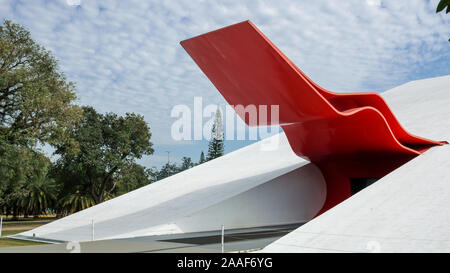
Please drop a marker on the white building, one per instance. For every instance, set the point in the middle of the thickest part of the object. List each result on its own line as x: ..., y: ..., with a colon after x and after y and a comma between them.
x: 407, y: 210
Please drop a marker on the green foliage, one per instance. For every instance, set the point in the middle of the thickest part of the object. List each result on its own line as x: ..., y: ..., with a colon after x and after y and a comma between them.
x: 170, y: 169
x: 167, y: 170
x: 40, y: 190
x: 108, y: 144
x: 35, y: 99
x: 76, y: 201
x: 13, y: 170
x: 97, y: 151
x: 186, y: 163
x: 442, y: 5
x: 36, y: 105
x: 216, y: 144
x: 132, y: 177
x: 25, y: 184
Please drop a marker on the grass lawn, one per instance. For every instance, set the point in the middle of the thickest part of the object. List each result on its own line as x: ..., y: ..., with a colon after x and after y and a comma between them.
x: 15, y: 227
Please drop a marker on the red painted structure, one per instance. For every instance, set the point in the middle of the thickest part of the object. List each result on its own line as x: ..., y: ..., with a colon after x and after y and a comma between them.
x: 347, y: 135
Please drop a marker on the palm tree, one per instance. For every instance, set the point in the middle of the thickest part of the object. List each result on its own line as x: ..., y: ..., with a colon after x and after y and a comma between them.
x: 77, y: 201
x: 41, y: 195
x: 39, y: 190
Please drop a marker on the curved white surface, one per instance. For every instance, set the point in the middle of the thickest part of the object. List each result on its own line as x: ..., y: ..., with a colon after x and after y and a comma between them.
x: 423, y: 107
x: 295, y: 197
x: 164, y: 207
x: 407, y: 210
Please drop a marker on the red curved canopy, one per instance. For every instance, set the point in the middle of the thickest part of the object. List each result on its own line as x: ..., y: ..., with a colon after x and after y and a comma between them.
x: 346, y: 134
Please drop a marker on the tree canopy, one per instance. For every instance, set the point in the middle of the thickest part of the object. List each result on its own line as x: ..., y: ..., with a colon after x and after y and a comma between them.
x: 36, y: 106
x: 108, y: 145
x: 35, y: 98
x: 25, y: 185
x: 96, y: 152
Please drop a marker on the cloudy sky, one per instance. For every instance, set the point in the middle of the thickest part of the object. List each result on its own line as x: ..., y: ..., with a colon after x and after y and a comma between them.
x: 125, y: 55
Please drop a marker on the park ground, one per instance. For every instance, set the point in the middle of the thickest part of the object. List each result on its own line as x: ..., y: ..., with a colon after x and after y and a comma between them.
x: 21, y: 225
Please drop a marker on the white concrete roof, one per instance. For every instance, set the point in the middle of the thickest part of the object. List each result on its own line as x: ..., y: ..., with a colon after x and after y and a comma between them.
x: 423, y: 107
x: 407, y: 210
x: 155, y: 209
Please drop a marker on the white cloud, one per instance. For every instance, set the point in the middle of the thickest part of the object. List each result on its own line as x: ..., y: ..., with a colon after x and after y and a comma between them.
x: 375, y: 3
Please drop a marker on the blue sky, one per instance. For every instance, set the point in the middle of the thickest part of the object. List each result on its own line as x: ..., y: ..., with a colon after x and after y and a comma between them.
x: 125, y: 55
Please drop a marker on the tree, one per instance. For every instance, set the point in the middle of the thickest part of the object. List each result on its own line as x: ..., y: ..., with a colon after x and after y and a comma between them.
x: 75, y: 202
x: 35, y: 98
x: 74, y: 193
x: 107, y: 145
x: 24, y: 176
x: 202, y: 158
x: 40, y: 190
x: 36, y: 105
x: 167, y: 170
x: 131, y: 177
x: 442, y: 5
x: 15, y: 167
x: 186, y: 163
x: 216, y: 144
